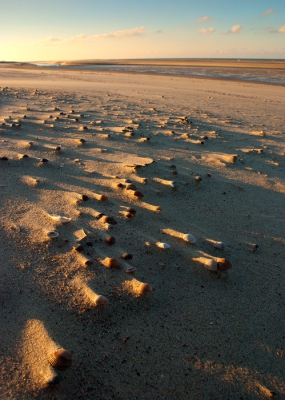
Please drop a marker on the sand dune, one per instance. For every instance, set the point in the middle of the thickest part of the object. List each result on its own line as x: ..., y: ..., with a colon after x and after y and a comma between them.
x: 121, y: 168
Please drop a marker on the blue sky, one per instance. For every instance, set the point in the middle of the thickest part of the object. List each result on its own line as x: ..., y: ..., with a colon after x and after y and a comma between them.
x: 92, y: 29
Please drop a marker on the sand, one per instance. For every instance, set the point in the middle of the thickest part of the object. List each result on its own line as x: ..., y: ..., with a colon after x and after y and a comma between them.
x: 208, y: 157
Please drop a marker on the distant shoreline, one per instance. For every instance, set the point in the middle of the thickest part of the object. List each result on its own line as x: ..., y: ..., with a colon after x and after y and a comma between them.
x: 255, y: 71
x: 249, y: 71
x: 195, y: 62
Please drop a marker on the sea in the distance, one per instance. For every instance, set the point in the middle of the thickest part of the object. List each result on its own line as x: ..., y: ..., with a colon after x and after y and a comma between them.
x: 252, y: 70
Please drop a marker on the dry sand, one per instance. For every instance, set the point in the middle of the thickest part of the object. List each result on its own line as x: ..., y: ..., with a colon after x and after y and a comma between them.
x: 199, y: 334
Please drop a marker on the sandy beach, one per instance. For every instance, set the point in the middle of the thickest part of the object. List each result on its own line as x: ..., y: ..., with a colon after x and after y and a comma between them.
x: 142, y: 229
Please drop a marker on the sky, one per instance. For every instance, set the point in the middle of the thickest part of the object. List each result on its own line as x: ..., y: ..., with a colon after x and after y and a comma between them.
x: 57, y: 30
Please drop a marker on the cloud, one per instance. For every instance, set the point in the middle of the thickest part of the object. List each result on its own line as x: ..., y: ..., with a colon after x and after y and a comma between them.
x: 236, y: 29
x: 206, y: 31
x: 204, y: 19
x: 281, y: 29
x: 127, y: 33
x: 159, y: 31
x: 49, y: 40
x: 268, y: 12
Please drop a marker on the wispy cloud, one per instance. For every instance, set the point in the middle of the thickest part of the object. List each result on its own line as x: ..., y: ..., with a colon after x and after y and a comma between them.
x: 268, y: 12
x: 281, y: 29
x: 206, y: 31
x: 125, y: 34
x: 49, y: 40
x: 236, y: 29
x: 204, y: 19
x: 159, y: 31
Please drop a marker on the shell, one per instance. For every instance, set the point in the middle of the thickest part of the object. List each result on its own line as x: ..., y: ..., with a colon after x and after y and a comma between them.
x: 127, y: 256
x: 220, y: 245
x: 209, y: 263
x: 86, y: 261
x: 223, y: 264
x: 174, y: 184
x: 110, y: 240
x: 130, y: 270
x: 128, y: 214
x: 131, y: 210
x: 52, y: 234
x: 61, y: 219
x: 131, y: 186
x: 99, y: 215
x: 99, y: 300
x: 52, y: 379
x: 108, y: 220
x: 111, y: 263
x: 138, y: 194
x: 144, y: 288
x: 102, y: 197
x: 163, y: 245
x: 109, y: 226
x: 79, y: 247
x: 60, y: 359
x: 188, y: 237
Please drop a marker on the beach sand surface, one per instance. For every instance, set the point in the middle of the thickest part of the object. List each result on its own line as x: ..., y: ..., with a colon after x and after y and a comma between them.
x: 162, y: 157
